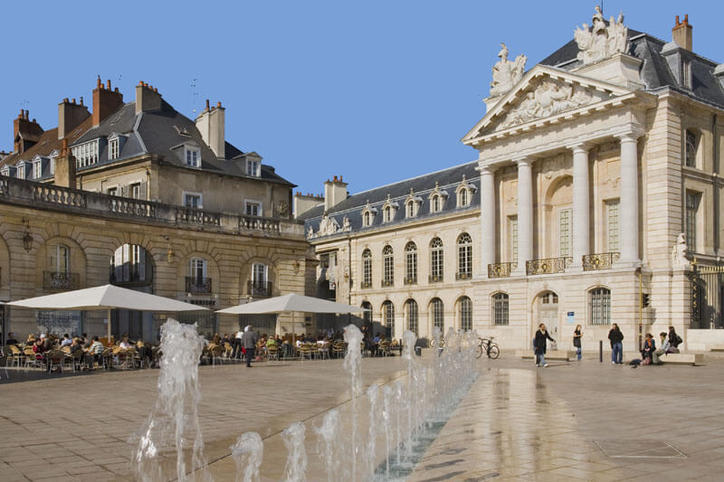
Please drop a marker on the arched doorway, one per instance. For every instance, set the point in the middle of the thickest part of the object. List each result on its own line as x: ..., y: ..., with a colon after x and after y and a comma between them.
x: 546, y: 311
x: 132, y: 267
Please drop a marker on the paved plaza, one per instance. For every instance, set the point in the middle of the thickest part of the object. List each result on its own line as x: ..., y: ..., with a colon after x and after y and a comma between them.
x: 570, y: 421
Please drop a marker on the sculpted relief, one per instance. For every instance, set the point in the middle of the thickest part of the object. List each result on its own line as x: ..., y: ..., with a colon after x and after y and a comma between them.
x: 549, y: 98
x: 600, y: 41
x: 329, y: 226
x: 506, y: 73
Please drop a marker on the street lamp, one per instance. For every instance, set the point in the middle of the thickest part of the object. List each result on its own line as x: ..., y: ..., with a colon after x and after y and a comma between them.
x: 27, y: 237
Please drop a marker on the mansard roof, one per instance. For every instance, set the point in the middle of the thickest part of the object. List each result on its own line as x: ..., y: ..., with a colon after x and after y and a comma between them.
x: 655, y: 71
x: 447, y: 179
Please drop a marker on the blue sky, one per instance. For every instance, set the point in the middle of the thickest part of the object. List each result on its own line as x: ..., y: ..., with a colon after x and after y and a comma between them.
x: 375, y: 91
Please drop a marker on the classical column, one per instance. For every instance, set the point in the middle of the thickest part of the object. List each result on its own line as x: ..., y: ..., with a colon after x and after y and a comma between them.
x: 629, y: 202
x: 487, y: 218
x: 525, y: 213
x: 581, y: 200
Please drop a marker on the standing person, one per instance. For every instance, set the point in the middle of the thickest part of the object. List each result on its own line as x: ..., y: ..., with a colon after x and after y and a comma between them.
x: 539, y: 343
x: 616, y: 338
x: 577, y: 334
x: 674, y: 340
x: 248, y: 341
x: 237, y: 344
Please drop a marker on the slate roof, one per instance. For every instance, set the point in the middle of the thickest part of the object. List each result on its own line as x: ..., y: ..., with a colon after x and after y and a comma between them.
x: 447, y: 179
x: 655, y: 70
x: 47, y: 143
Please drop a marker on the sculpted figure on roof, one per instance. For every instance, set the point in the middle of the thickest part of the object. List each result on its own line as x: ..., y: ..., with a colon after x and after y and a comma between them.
x: 600, y: 41
x: 506, y: 73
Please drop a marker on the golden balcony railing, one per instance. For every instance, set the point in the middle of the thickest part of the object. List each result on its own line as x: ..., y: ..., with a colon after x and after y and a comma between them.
x: 501, y: 270
x: 387, y: 282
x: 463, y: 275
x: 411, y: 280
x: 596, y: 261
x: 434, y: 278
x: 365, y: 284
x: 547, y: 265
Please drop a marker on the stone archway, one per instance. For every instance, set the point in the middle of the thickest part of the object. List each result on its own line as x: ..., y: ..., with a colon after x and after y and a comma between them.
x: 545, y: 310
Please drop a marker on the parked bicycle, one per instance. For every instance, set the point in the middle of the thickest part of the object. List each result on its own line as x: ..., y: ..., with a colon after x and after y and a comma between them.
x: 488, y: 347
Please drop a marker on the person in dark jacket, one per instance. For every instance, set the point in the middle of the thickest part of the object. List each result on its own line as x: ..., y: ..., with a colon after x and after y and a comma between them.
x: 674, y: 340
x: 577, y: 335
x: 649, y: 348
x: 616, y: 338
x: 539, y: 344
x: 248, y: 341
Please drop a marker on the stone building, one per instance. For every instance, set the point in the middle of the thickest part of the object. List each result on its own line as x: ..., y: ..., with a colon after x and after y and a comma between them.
x: 139, y: 195
x: 599, y: 196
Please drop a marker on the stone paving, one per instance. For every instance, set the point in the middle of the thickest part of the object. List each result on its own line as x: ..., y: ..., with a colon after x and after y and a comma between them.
x: 570, y: 421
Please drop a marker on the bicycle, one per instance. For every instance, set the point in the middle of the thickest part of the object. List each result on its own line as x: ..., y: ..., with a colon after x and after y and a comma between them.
x: 491, y: 349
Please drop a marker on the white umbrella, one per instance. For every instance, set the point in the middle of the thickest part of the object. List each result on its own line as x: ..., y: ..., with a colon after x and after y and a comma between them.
x: 106, y: 297
x: 291, y: 302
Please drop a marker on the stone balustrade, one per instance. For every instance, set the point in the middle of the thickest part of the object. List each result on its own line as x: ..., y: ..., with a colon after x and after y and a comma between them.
x: 49, y: 196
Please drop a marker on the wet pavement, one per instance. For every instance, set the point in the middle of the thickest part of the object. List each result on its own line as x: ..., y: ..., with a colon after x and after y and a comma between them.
x: 570, y: 421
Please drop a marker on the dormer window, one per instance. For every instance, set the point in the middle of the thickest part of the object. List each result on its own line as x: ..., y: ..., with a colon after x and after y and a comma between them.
x: 5, y: 171
x: 435, y: 204
x: 437, y: 199
x: 86, y: 154
x: 193, y: 156
x: 389, y: 209
x: 387, y: 217
x: 412, y: 205
x: 20, y: 170
x: 410, y: 209
x: 252, y: 167
x: 366, y: 221
x: 368, y: 215
x: 114, y: 148
x: 465, y: 193
x: 37, y: 169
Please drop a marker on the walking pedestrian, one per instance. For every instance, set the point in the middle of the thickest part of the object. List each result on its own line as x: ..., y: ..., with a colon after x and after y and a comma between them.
x: 248, y: 341
x: 577, y: 334
x: 616, y: 338
x: 539, y: 343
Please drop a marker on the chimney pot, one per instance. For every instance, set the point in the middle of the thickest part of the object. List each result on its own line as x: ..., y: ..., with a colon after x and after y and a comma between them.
x: 218, y: 104
x: 108, y: 84
x: 81, y: 100
x: 681, y: 34
x: 73, y: 102
x: 677, y: 20
x: 65, y: 101
x: 99, y: 83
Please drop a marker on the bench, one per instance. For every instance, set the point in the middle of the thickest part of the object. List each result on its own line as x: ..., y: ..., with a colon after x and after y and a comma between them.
x: 558, y: 355
x: 717, y: 348
x: 683, y: 358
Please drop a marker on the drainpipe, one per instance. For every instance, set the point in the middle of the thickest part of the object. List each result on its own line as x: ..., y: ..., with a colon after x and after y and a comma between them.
x: 349, y: 280
x: 715, y: 161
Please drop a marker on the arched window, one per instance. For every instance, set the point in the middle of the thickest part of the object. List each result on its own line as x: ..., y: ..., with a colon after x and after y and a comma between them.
x: 366, y: 219
x: 465, y: 256
x: 387, y: 214
x: 410, y: 209
x: 435, y: 204
x: 366, y: 268
x: 436, y: 263
x: 438, y: 314
x: 198, y: 281
x: 367, y: 313
x: 410, y: 263
x: 466, y: 313
x: 692, y: 147
x: 412, y: 315
x: 500, y: 309
x: 60, y: 259
x: 599, y: 303
x: 388, y: 318
x: 131, y: 263
x: 259, y: 286
x: 388, y: 266
x: 463, y: 198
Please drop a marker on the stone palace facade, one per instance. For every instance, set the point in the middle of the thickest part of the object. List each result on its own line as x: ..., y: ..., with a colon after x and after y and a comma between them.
x: 595, y: 197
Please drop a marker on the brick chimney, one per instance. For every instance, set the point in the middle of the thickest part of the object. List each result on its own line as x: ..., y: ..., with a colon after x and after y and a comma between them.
x: 681, y: 34
x: 335, y: 191
x: 25, y: 132
x: 105, y: 101
x: 147, y: 98
x: 70, y: 115
x: 65, y: 167
x: 211, y: 123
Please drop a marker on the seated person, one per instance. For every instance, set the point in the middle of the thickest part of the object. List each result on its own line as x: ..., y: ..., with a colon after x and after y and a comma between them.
x: 66, y: 341
x: 664, y: 349
x: 674, y: 341
x: 11, y: 339
x: 76, y: 351
x: 125, y: 344
x: 648, y: 350
x: 39, y: 349
x: 271, y: 342
x: 144, y: 352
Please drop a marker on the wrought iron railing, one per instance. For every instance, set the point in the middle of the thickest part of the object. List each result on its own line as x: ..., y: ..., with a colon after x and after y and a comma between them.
x: 434, y: 278
x: 463, y: 275
x: 387, y: 282
x: 410, y: 280
x: 547, y: 265
x: 54, y: 280
x: 259, y: 289
x: 596, y: 261
x: 501, y: 270
x: 198, y: 285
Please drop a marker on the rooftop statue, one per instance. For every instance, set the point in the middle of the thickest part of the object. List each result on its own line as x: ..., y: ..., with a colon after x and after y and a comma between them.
x: 601, y: 41
x: 506, y: 73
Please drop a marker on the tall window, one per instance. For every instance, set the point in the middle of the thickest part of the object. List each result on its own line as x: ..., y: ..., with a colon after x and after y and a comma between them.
x: 192, y: 200
x: 564, y: 233
x: 500, y: 309
x: 692, y: 145
x: 135, y: 191
x: 37, y: 169
x: 388, y: 263
x: 388, y: 316
x: 366, y: 217
x: 599, y: 301
x: 198, y: 269
x: 438, y: 314
x: 612, y: 225
x: 513, y: 238
x: 193, y: 157
x: 253, y: 208
x: 366, y: 268
x: 259, y: 275
x: 412, y: 315
x: 435, y: 204
x: 692, y: 207
x: 410, y: 263
x: 436, y: 263
x: 387, y: 214
x: 367, y: 313
x: 465, y: 256
x: 463, y: 197
x: 113, y: 149
x: 130, y: 263
x: 466, y: 313
x: 252, y: 167
x: 410, y: 209
x: 60, y: 259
